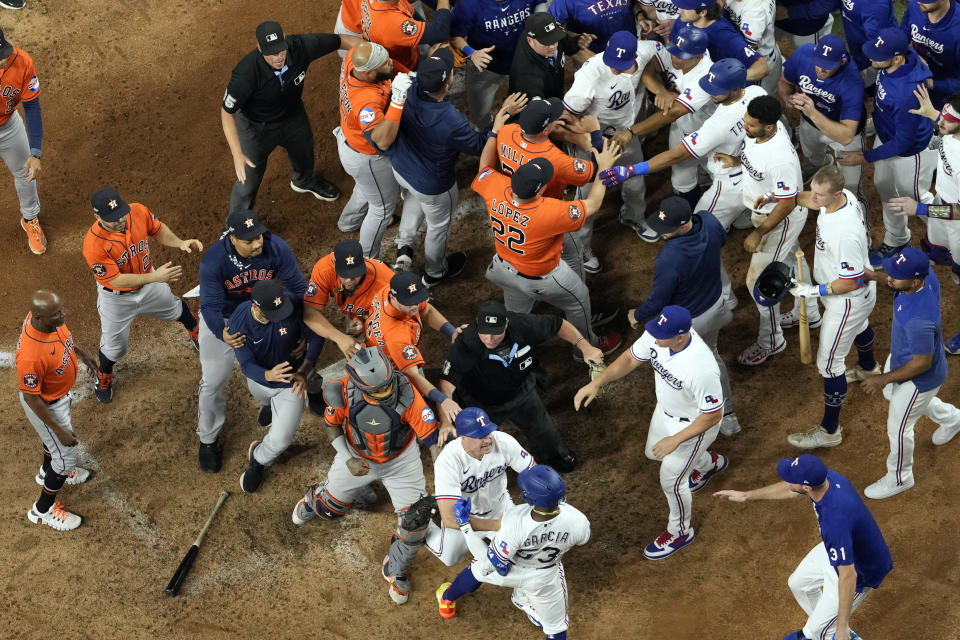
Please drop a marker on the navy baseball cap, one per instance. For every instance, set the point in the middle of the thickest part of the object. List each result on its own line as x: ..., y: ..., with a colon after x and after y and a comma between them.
x: 109, y: 205
x: 808, y: 470
x: 538, y: 114
x: 724, y: 76
x: 907, y: 264
x: 544, y: 28
x: 271, y: 299
x: 891, y: 41
x: 474, y: 422
x: 244, y: 225
x: 531, y: 177
x: 407, y: 288
x: 270, y: 38
x: 694, y: 4
x: 434, y: 72
x: 6, y: 49
x: 491, y: 318
x: 348, y: 259
x: 621, y: 51
x: 830, y: 52
x: 672, y: 321
x: 674, y: 212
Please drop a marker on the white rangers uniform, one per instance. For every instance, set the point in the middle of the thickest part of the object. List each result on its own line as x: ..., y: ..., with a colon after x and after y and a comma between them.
x: 754, y: 20
x: 683, y: 176
x: 665, y: 9
x: 772, y: 167
x: 842, y: 251
x: 457, y: 474
x: 945, y: 234
x: 535, y: 549
x: 687, y: 383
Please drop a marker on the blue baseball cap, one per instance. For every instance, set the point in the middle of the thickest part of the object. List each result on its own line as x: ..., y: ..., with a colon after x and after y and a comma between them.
x: 474, y: 422
x: 694, y: 4
x: 724, y: 76
x: 808, y: 470
x: 529, y: 178
x: 672, y: 321
x: 830, y: 52
x: 907, y: 264
x: 891, y: 41
x: 674, y: 212
x: 621, y: 51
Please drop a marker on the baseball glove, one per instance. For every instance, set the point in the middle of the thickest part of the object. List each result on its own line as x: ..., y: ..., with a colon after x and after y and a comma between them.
x: 595, y: 371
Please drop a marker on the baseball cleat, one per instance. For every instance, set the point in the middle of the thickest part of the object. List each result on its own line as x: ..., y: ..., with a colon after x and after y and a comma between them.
x: 667, y: 545
x: 13, y: 4
x: 608, y: 343
x: 304, y: 511
x: 603, y: 312
x: 887, y: 487
x: 195, y: 334
x: 730, y: 425
x: 881, y: 253
x: 755, y: 354
x: 57, y: 517
x: 816, y: 438
x: 36, y: 239
x: 592, y: 265
x: 455, y: 264
x: 265, y: 417
x: 252, y: 478
x: 857, y: 373
x: 77, y: 476
x: 448, y: 608
x: 399, y: 585
x: 647, y: 234
x: 952, y: 346
x: 791, y: 319
x: 404, y: 261
x: 103, y: 387
x: 699, y: 480
x: 318, y: 188
x: 208, y: 458
x: 943, y: 434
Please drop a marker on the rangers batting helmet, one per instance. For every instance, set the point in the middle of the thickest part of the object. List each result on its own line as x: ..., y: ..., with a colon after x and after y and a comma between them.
x: 370, y: 369
x: 474, y: 422
x: 541, y: 486
x: 724, y: 76
x: 772, y: 284
x: 687, y: 42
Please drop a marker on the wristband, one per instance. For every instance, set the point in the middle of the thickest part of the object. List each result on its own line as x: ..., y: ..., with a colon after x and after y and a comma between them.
x: 436, y: 396
x: 596, y: 140
x: 448, y: 329
x: 824, y: 290
x: 578, y: 341
x: 340, y: 445
x: 491, y: 134
x: 394, y: 113
x: 642, y: 168
x: 468, y: 51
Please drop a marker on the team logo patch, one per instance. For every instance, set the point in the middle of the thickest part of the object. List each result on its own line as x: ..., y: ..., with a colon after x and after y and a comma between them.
x: 693, y: 138
x: 283, y: 331
x: 99, y: 270
x: 409, y: 27
x: 34, y: 84
x: 575, y: 212
x: 783, y: 186
x: 503, y: 548
x: 30, y: 381
x: 329, y: 410
x: 446, y: 368
x: 311, y: 289
x: 410, y: 352
x: 579, y: 166
x: 845, y: 266
x: 710, y: 400
x: 427, y: 415
x: 484, y: 174
x: 367, y: 115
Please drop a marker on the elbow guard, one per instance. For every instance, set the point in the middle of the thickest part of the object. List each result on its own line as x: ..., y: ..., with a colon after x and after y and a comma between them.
x: 502, y: 567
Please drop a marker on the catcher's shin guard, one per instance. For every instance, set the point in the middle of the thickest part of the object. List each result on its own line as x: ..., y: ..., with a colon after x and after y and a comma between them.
x: 411, y: 532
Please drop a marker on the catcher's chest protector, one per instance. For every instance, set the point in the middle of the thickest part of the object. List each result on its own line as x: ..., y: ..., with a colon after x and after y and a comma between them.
x: 380, y: 420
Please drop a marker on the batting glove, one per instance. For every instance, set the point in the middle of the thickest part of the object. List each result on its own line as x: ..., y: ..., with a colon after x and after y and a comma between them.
x: 461, y: 510
x: 804, y: 289
x: 398, y: 88
x: 622, y: 173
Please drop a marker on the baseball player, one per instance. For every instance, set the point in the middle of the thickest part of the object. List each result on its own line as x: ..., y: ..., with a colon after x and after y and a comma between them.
x: 352, y: 281
x: 45, y: 379
x: 839, y: 261
x: 526, y: 553
x: 528, y: 229
x: 724, y: 40
x: 915, y: 368
x: 374, y: 416
x: 348, y: 21
x: 685, y: 421
x: 20, y: 147
x: 658, y: 18
x: 863, y: 21
x: 117, y: 250
x: 609, y: 87
x: 487, y: 32
x: 370, y: 110
x: 599, y: 19
x: 395, y: 25
x: 833, y: 579
x: 804, y: 21
x: 903, y: 165
x: 275, y: 366
x: 687, y: 272
x: 246, y: 252
x: 473, y: 466
x: 821, y: 87
x: 771, y: 167
x: 754, y: 19
x: 934, y: 29
x: 262, y: 109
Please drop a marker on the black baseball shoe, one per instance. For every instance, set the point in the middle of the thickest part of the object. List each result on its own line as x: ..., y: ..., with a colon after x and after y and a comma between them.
x: 564, y: 463
x: 252, y: 478
x: 318, y: 188
x: 265, y: 417
x: 455, y: 264
x: 603, y: 312
x: 208, y: 459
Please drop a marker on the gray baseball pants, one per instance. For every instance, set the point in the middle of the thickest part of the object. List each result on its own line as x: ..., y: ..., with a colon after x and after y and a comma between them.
x: 438, y: 212
x: 216, y: 365
x: 15, y: 150
x: 287, y: 408
x: 63, y: 459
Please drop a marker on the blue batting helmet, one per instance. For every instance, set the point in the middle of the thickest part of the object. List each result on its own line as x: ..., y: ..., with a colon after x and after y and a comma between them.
x: 724, y: 76
x: 541, y: 486
x: 773, y: 284
x: 687, y: 42
x: 474, y: 422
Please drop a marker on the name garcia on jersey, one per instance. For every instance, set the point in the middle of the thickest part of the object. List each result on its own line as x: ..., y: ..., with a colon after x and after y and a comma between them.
x: 534, y: 541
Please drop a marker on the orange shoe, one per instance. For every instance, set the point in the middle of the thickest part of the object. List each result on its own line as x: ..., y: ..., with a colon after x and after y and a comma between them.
x: 448, y: 608
x: 35, y: 237
x: 195, y: 334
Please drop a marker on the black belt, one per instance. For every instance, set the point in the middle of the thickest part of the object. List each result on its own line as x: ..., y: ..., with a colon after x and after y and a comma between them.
x: 53, y: 402
x: 117, y: 292
x: 522, y: 275
x: 676, y: 418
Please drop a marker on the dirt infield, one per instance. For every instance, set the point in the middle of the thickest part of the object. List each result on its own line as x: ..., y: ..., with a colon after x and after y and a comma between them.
x: 130, y: 99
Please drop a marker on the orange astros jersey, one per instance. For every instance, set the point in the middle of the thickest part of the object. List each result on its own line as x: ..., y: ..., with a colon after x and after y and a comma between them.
x: 362, y: 106
x: 529, y: 236
x: 109, y: 254
x: 18, y: 83
x: 396, y: 28
x: 395, y: 332
x: 350, y: 15
x: 324, y: 282
x: 46, y: 362
x: 513, y: 151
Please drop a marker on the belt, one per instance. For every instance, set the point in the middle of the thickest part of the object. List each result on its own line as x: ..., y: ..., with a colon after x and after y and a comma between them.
x: 522, y: 275
x: 675, y: 417
x: 56, y: 400
x: 117, y: 292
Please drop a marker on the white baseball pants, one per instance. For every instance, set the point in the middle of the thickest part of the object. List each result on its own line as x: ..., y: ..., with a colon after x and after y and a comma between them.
x: 118, y: 311
x: 438, y: 212
x: 540, y: 593
x: 899, y: 176
x: 402, y: 477
x: 63, y: 459
x: 15, y: 150
x: 287, y: 408
x: 844, y: 317
x: 816, y: 587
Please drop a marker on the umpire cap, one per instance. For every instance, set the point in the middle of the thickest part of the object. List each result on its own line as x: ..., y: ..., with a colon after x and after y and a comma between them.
x: 473, y: 422
x: 772, y: 284
x: 270, y: 38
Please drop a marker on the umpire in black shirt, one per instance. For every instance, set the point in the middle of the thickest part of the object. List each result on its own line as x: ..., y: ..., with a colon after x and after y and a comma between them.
x: 263, y: 109
x: 537, y: 68
x: 493, y: 365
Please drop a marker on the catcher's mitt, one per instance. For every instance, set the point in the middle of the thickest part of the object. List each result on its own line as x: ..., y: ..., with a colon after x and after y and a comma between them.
x: 595, y: 371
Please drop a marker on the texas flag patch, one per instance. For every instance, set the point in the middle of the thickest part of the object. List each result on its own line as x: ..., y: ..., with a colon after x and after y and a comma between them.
x: 783, y: 186
x: 503, y: 548
x: 845, y: 266
x: 711, y: 400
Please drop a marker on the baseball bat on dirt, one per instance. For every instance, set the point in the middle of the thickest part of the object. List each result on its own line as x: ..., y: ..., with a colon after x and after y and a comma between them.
x: 173, y: 587
x: 805, y: 356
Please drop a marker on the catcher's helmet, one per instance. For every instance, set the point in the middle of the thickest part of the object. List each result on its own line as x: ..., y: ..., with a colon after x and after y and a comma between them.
x: 772, y: 285
x: 541, y: 486
x: 724, y: 76
x: 687, y: 42
x: 370, y: 369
